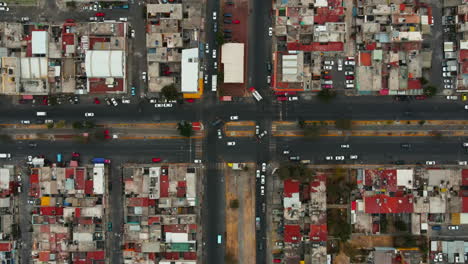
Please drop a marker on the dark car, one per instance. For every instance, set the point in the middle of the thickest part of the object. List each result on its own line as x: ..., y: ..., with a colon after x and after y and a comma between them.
x: 40, y: 121
x: 227, y: 15
x: 227, y: 21
x: 32, y: 145
x: 405, y: 145
x: 268, y: 67
x: 227, y: 36
x: 400, y: 162
x: 227, y: 31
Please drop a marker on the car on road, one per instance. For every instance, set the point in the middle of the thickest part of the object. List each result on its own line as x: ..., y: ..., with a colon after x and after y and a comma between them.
x: 327, y: 77
x: 462, y: 162
x: 285, y: 152
x: 262, y: 190
x: 25, y: 122
x: 132, y: 33
x: 269, y: 79
x: 270, y: 31
x: 327, y: 82
x: 349, y: 81
x: 339, y: 157
x: 96, y: 100
x: 264, y: 167
x: 340, y: 64
x: 3, y: 4
x: 215, y: 65
x: 430, y: 162
x: 420, y: 97
x: 93, y: 19
x: 353, y: 157
x: 133, y: 91
x: 344, y: 146
x: 329, y: 158
x: 227, y: 15
x: 329, y: 62
x: 89, y: 114
x: 405, y: 145
x: 107, y: 100
x: 231, y: 143
x: 350, y: 62
x: 257, y: 173
x: 257, y: 130
x: 214, y: 15
x: 156, y: 160
x: 234, y: 118
x: 328, y: 67
x: 452, y: 97
x: 125, y: 100
x: 281, y: 98
x: 114, y: 102
x: 294, y: 158
x: 453, y: 227
x: 123, y: 19
x: 448, y: 86
x: 236, y: 21
x: 207, y: 48
x: 327, y: 86
x: 214, y: 54
x: 349, y: 77
x: 143, y: 76
x: 4, y: 8
x: 220, y: 134
x: 24, y: 19
x: 215, y: 27
x: 262, y: 181
x: 293, y: 98
x: 263, y: 134
x: 347, y: 73
x: 100, y: 14
x: 32, y: 144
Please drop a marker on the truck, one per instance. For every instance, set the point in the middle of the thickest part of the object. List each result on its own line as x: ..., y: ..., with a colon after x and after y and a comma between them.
x: 257, y: 223
x: 214, y: 82
x: 255, y: 94
x: 100, y: 160
x: 5, y: 155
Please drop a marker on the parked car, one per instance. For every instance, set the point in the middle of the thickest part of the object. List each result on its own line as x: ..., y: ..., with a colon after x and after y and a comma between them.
x: 452, y: 97
x: 100, y: 14
x: 227, y: 21
x: 344, y: 146
x: 234, y: 118
x: 293, y: 98
x: 227, y: 15
x: 339, y: 157
x: 214, y: 53
x: 231, y: 143
x: 353, y: 157
x: 89, y: 114
x: 156, y: 159
x: 430, y: 162
x: 329, y: 158
x: 327, y: 86
x: 220, y: 134
x: 349, y: 73
x: 214, y: 15
x: 25, y: 122
x: 114, y: 102
x: 349, y: 77
x: 270, y: 31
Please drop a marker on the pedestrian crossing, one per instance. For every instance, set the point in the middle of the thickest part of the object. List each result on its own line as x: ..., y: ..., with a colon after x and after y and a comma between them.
x: 272, y: 145
x: 199, y: 148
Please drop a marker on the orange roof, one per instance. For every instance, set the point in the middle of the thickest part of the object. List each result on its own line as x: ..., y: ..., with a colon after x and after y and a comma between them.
x: 365, y: 59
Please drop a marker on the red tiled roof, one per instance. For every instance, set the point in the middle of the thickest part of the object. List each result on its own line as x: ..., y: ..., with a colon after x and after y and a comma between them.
x: 465, y: 177
x: 464, y: 204
x: 463, y: 55
x: 154, y: 219
x: 365, y: 59
x: 317, y: 46
x: 318, y: 233
x: 384, y: 204
x: 371, y: 46
x: 171, y: 255
x: 292, y: 233
x: 99, y: 86
x: 190, y: 255
x: 34, y: 178
x: 79, y: 179
x: 386, y: 178
x: 290, y: 187
x: 69, y: 172
x: 175, y: 228
x: 77, y: 212
x: 141, y: 201
x: 181, y: 188
x: 49, y: 210
x: 414, y: 84
x: 44, y: 256
x: 96, y: 255
x: 67, y: 39
x: 464, y: 67
x: 89, y: 187
x: 5, y: 247
x: 164, y: 186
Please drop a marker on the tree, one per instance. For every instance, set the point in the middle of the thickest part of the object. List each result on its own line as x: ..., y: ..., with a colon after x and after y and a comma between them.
x: 185, y: 129
x: 421, y: 122
x: 326, y: 95
x: 343, y: 124
x: 50, y: 125
x: 77, y: 125
x: 219, y: 38
x: 170, y: 92
x: 89, y: 124
x: 430, y: 90
x: 71, y: 4
x: 401, y: 226
x: 296, y: 171
x: 437, y: 135
x: 424, y: 81
x: 350, y: 250
x: 60, y: 124
x: 283, y: 172
x: 6, y: 138
x: 301, y: 123
x: 234, y: 204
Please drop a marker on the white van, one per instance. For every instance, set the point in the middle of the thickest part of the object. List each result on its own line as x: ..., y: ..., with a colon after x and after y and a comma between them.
x: 41, y: 114
x: 5, y: 155
x: 349, y: 86
x: 214, y: 83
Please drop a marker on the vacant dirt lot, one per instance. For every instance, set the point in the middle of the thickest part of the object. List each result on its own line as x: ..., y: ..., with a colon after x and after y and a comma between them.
x: 372, y: 241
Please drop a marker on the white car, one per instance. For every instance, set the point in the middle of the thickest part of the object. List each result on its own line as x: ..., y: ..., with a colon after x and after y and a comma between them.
x: 257, y: 130
x: 24, y: 19
x: 327, y: 82
x: 125, y: 101
x: 158, y: 105
x: 268, y: 79
x: 328, y: 67
x: 353, y: 157
x: 329, y: 63
x: 215, y: 65
x: 3, y: 4
x: 339, y: 157
x: 462, y: 162
x: 262, y: 181
x: 285, y: 152
x: 293, y: 98
x: 452, y: 97
x: 25, y: 122
x: 197, y: 161
x: 231, y: 143
x: 453, y: 227
x: 220, y: 134
x: 214, y: 15
x: 430, y: 162
x: 263, y: 134
x: 114, y: 102
x: 349, y: 73
x: 349, y: 81
x: 350, y: 62
x: 340, y: 64
x: 31, y: 201
x: 214, y: 54
x: 448, y: 86
x: 206, y: 79
x: 234, y: 117
x: 124, y: 19
x: 345, y: 146
x: 262, y: 191
x: 270, y: 31
x: 466, y: 107
x: 93, y: 19
x: 89, y: 114
x: 30, y: 159
x: 207, y: 48
x: 143, y: 76
x: 329, y: 158
x: 264, y: 167
x: 446, y: 74
x: 4, y: 8
x: 167, y: 105
x: 132, y: 33
x: 257, y: 173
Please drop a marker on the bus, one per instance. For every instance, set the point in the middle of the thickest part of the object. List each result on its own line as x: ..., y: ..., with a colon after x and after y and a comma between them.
x: 255, y: 94
x: 214, y: 82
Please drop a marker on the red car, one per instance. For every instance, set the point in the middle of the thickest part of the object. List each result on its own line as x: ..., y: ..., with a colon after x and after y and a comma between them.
x: 45, y: 100
x: 156, y: 159
x: 106, y: 134
x: 282, y: 98
x: 236, y: 21
x: 349, y: 77
x: 328, y: 86
x: 96, y: 100
x: 190, y: 100
x: 327, y: 77
x: 420, y: 97
x: 100, y: 14
x: 70, y: 20
x: 252, y: 89
x: 280, y: 93
x: 75, y: 154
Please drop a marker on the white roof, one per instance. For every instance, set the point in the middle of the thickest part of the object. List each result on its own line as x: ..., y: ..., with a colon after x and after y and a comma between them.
x: 405, y: 178
x: 176, y: 237
x: 4, y: 179
x: 105, y: 63
x: 190, y: 70
x: 39, y: 42
x: 98, y: 180
x: 233, y: 62
x: 33, y: 68
x: 321, y: 3
x: 191, y: 185
x: 463, y: 44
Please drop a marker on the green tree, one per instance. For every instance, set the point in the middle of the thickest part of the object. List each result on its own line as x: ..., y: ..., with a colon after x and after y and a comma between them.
x: 6, y: 138
x: 77, y: 125
x: 71, y: 4
x: 301, y: 123
x: 60, y: 124
x: 170, y: 92
x: 424, y: 81
x: 219, y: 38
x: 50, y: 125
x: 400, y: 225
x: 89, y: 124
x: 326, y: 95
x: 430, y: 90
x: 283, y: 171
x: 234, y: 204
x: 421, y: 122
x: 343, y: 124
x: 185, y: 129
x: 80, y: 139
